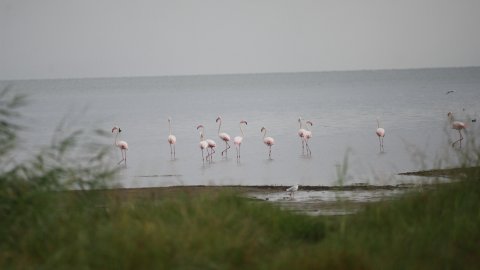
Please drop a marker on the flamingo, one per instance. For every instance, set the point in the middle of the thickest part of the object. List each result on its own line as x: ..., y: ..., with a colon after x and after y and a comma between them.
x: 301, y: 134
x: 381, y: 134
x: 224, y: 136
x: 457, y: 125
x: 211, y: 143
x: 238, y: 139
x: 172, y: 140
x: 122, y: 145
x: 268, y: 141
x: 203, y: 143
x: 307, y: 136
x: 291, y: 190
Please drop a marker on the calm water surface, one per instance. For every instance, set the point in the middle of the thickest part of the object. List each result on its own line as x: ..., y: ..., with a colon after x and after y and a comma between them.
x: 411, y: 104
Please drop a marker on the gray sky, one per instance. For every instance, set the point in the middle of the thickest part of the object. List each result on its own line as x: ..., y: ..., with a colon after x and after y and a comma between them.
x: 110, y: 38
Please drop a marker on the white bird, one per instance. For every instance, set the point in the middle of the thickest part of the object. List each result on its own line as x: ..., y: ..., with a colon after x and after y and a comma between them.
x: 381, y: 134
x: 268, y: 141
x: 238, y: 139
x: 203, y: 143
x: 122, y: 145
x: 211, y: 144
x: 291, y: 190
x: 301, y: 134
x: 224, y: 136
x: 172, y: 140
x: 457, y: 125
x: 308, y: 136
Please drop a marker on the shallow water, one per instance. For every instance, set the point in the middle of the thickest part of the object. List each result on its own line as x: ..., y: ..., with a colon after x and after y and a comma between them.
x: 326, y: 202
x: 412, y: 106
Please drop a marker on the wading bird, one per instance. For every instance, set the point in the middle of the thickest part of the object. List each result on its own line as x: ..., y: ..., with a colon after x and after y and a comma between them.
x: 172, y: 140
x: 301, y: 134
x: 381, y: 134
x: 203, y: 143
x: 457, y: 125
x: 122, y: 145
x: 211, y: 145
x: 308, y: 135
x: 238, y: 139
x: 291, y: 190
x: 224, y: 136
x: 268, y: 141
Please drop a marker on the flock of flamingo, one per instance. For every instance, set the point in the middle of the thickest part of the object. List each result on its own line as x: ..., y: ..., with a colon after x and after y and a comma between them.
x: 304, y: 133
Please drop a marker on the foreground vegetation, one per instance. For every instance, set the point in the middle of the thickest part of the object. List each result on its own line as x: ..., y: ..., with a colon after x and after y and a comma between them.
x: 435, y: 229
x: 43, y: 225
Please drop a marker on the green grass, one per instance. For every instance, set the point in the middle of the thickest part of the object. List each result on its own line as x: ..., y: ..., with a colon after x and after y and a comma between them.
x: 434, y: 229
x: 45, y: 226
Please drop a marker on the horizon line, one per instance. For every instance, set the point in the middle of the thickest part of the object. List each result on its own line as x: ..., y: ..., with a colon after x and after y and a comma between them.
x: 237, y: 74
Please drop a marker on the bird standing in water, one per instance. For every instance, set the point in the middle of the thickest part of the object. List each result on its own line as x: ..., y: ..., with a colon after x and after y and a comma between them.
x: 308, y: 136
x: 268, y: 141
x: 457, y: 125
x: 203, y: 143
x: 238, y: 139
x: 381, y: 134
x: 291, y: 190
x: 224, y: 136
x: 122, y: 145
x: 301, y: 134
x: 172, y: 140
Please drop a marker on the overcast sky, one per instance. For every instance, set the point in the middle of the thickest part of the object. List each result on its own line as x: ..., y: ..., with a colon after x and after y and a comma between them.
x: 111, y: 38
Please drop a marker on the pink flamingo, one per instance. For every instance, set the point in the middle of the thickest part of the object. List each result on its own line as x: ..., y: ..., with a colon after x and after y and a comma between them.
x: 122, y: 145
x: 301, y: 134
x: 238, y: 140
x: 172, y: 140
x: 457, y: 125
x: 269, y: 141
x: 224, y: 136
x: 211, y: 144
x: 203, y: 143
x: 381, y: 134
x: 308, y: 135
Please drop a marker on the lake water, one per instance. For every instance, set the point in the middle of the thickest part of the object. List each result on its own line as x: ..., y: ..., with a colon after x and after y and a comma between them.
x: 412, y: 106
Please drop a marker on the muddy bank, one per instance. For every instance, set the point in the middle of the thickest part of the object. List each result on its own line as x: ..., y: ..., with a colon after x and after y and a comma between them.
x: 314, y: 200
x: 158, y: 192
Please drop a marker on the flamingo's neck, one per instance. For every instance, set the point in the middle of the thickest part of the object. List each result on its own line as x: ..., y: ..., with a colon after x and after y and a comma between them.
x: 219, y: 125
x: 264, y: 133
x: 241, y: 130
x: 116, y: 139
x: 169, y: 127
x: 378, y: 123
